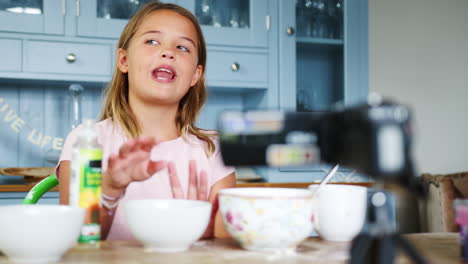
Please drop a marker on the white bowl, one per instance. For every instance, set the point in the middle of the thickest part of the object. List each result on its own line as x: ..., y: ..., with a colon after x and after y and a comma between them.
x: 39, y: 233
x: 267, y: 219
x: 167, y: 225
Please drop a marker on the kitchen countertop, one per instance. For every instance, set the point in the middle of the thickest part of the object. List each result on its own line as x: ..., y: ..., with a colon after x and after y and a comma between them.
x: 436, y: 247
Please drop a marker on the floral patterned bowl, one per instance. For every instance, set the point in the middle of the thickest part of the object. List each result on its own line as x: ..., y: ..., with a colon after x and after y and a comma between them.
x: 267, y: 219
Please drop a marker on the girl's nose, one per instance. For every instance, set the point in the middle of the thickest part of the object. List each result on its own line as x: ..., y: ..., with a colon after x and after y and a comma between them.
x: 168, y: 54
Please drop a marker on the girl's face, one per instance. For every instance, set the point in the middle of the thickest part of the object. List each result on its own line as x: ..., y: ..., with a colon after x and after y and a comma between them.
x: 162, y: 59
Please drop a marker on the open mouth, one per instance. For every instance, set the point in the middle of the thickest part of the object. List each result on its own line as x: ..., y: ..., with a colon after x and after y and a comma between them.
x: 164, y: 73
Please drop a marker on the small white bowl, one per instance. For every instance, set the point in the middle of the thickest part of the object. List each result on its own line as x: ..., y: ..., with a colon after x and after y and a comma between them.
x: 167, y: 225
x: 39, y: 233
x: 267, y: 219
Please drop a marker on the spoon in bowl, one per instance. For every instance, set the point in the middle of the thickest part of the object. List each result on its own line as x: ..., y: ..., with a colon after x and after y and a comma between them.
x: 326, y: 179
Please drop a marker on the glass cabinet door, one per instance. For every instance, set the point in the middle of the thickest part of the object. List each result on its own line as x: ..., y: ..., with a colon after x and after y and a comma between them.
x: 232, y: 22
x: 227, y: 14
x: 319, y: 54
x: 225, y: 22
x: 32, y: 16
x: 319, y: 19
x: 106, y: 18
x: 323, y: 55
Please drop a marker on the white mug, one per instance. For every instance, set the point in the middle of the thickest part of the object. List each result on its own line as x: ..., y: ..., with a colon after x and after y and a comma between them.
x: 340, y: 211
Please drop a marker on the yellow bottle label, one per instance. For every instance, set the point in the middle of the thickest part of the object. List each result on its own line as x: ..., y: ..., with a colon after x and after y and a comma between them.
x: 90, y: 193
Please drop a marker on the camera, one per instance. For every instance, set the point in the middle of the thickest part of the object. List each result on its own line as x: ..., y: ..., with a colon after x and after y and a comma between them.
x: 374, y: 139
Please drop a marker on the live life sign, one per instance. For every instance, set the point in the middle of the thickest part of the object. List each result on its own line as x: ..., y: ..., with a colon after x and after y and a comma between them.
x: 17, y: 124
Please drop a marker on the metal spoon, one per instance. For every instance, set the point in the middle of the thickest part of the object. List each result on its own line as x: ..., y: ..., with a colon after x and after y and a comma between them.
x: 326, y: 179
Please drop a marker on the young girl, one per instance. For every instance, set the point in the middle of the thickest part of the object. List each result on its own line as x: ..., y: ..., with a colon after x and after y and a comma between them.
x: 151, y: 146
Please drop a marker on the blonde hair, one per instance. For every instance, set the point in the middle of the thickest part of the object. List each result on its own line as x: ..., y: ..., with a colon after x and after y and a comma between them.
x: 116, y: 103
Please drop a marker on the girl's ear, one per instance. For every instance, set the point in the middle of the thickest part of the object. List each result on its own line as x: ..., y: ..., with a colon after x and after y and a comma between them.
x: 122, y: 63
x: 196, y: 75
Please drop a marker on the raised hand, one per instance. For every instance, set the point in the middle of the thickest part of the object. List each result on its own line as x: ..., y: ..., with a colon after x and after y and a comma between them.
x: 132, y: 163
x: 196, y: 191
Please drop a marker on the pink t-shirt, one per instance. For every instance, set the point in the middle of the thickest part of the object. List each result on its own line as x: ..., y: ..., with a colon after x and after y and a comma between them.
x: 180, y: 151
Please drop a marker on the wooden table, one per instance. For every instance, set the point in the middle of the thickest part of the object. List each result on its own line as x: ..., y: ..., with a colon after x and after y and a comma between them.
x: 438, y: 248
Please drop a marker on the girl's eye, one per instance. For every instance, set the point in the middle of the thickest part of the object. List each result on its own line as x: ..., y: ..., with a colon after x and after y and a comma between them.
x: 152, y: 42
x: 183, y: 48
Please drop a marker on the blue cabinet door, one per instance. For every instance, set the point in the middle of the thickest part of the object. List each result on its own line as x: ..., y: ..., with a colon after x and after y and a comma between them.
x: 232, y: 22
x: 356, y: 52
x: 42, y: 17
x: 104, y: 18
x: 318, y: 72
x: 287, y: 55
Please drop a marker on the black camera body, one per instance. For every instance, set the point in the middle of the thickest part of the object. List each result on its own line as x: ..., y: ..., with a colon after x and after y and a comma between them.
x: 373, y: 139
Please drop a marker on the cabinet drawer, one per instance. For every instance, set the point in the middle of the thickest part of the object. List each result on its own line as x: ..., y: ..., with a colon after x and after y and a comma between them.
x: 10, y: 54
x: 68, y: 58
x: 245, y: 67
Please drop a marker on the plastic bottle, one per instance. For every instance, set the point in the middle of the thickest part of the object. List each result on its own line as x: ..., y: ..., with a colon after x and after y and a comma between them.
x: 85, y: 181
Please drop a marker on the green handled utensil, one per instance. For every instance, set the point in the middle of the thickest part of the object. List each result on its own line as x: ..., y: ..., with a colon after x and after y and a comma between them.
x: 40, y: 188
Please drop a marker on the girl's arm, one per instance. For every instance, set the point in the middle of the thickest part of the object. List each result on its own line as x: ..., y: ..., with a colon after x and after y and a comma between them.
x: 216, y: 227
x: 107, y: 215
x: 64, y: 182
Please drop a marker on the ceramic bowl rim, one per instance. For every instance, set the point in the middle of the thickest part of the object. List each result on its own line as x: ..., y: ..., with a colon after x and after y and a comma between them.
x: 33, y: 208
x: 312, y: 187
x: 306, y: 196
x: 196, y: 203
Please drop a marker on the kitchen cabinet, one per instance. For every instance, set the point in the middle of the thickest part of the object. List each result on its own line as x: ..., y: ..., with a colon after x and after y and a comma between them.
x: 39, y: 43
x: 84, y: 47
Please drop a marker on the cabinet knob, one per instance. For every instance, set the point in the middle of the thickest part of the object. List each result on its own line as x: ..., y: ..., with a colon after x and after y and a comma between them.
x: 70, y: 58
x: 290, y: 31
x: 235, y: 66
